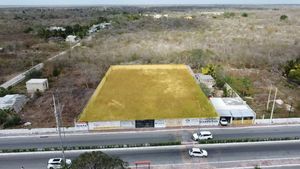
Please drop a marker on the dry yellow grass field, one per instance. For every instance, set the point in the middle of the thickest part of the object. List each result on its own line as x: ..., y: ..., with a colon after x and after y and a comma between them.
x: 138, y: 92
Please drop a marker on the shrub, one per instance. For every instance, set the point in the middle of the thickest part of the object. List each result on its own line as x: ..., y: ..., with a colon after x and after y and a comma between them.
x: 229, y: 14
x: 56, y: 72
x: 12, y: 120
x: 28, y: 30
x: 244, y: 15
x: 34, y: 74
x: 242, y: 85
x: 283, y: 17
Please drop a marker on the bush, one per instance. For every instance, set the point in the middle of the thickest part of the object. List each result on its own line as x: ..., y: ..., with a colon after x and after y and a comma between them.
x: 242, y: 85
x: 229, y: 14
x: 56, y: 72
x: 244, y: 15
x: 34, y: 74
x: 28, y: 30
x: 283, y: 17
x: 12, y: 120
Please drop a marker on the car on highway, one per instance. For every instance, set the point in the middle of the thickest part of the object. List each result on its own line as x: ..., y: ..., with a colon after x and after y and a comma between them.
x: 202, y: 135
x: 197, y: 152
x: 223, y: 122
x: 56, y: 163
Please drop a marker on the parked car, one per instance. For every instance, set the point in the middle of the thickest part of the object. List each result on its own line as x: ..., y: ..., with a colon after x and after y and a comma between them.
x: 202, y: 135
x: 223, y: 122
x: 56, y: 163
x: 197, y: 152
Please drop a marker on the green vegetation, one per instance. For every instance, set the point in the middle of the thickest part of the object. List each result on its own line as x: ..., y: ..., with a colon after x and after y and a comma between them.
x: 243, y: 85
x: 244, y: 14
x: 76, y: 29
x: 92, y: 147
x: 97, y: 160
x: 283, y: 17
x: 241, y: 140
x: 150, y: 91
x: 34, y: 74
x: 229, y: 14
x: 291, y: 70
x: 8, y: 118
x: 4, y: 91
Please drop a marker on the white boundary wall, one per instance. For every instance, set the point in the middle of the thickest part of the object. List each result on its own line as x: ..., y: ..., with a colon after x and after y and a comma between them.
x: 161, y: 123
x: 278, y: 121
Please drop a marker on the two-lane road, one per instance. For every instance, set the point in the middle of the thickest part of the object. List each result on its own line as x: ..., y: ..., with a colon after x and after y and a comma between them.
x: 221, y: 156
x: 111, y: 138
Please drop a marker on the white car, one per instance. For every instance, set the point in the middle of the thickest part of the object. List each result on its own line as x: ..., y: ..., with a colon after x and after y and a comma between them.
x: 56, y: 163
x: 197, y: 152
x: 223, y: 122
x: 202, y: 135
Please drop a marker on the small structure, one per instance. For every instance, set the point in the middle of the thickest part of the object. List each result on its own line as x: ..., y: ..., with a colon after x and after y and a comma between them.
x: 1, y: 49
x: 97, y: 27
x: 56, y: 28
x: 234, y: 110
x: 208, y: 80
x: 34, y: 85
x: 14, y: 102
x: 188, y: 17
x: 72, y: 39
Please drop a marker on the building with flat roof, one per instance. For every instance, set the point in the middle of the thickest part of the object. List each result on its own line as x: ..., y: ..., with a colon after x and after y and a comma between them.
x: 233, y: 109
x: 135, y: 96
x: 34, y: 85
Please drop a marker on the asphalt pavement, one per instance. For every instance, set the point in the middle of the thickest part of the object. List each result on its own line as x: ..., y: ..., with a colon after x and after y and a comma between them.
x: 220, y: 156
x: 112, y: 138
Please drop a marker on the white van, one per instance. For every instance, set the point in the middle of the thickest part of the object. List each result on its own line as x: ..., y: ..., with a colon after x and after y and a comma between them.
x: 202, y: 135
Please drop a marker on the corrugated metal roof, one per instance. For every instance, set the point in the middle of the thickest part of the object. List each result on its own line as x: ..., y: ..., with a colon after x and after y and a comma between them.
x: 232, y: 107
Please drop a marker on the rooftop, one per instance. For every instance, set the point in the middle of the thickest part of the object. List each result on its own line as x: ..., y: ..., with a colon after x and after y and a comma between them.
x: 235, y: 107
x: 139, y: 92
x: 36, y: 81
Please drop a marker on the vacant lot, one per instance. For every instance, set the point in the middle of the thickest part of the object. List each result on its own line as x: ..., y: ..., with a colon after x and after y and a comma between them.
x: 147, y: 92
x: 254, y: 47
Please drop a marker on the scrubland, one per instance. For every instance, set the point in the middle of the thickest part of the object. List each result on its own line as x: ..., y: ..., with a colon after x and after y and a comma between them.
x: 254, y: 47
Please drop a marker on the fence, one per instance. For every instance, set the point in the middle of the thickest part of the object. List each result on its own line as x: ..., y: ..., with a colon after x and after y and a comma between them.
x: 278, y: 121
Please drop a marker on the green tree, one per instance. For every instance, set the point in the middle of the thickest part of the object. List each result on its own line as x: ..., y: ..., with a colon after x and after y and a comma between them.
x: 98, y: 160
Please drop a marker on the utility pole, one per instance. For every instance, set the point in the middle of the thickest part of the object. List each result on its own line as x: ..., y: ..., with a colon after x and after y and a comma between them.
x: 57, y: 113
x: 272, y: 111
x: 269, y: 97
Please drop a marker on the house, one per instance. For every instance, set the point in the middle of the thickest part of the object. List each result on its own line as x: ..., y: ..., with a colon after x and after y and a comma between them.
x: 234, y: 110
x: 14, y: 102
x: 208, y: 80
x: 34, y: 85
x: 72, y: 39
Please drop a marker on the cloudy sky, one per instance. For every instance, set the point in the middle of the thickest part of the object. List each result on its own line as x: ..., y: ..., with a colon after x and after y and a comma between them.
x: 142, y: 2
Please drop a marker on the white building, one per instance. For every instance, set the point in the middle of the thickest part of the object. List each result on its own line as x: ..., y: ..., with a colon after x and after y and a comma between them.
x: 34, y: 85
x: 56, y: 28
x: 14, y: 102
x: 233, y: 109
x: 97, y: 27
x: 208, y: 80
x: 72, y: 39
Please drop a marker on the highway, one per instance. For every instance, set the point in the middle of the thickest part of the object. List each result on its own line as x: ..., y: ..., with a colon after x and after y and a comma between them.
x: 111, y: 138
x: 220, y: 156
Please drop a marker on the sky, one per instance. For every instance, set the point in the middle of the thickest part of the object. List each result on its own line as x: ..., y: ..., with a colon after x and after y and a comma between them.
x: 141, y: 2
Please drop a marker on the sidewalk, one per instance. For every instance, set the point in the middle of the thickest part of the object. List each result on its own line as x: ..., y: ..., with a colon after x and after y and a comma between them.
x: 74, y: 130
